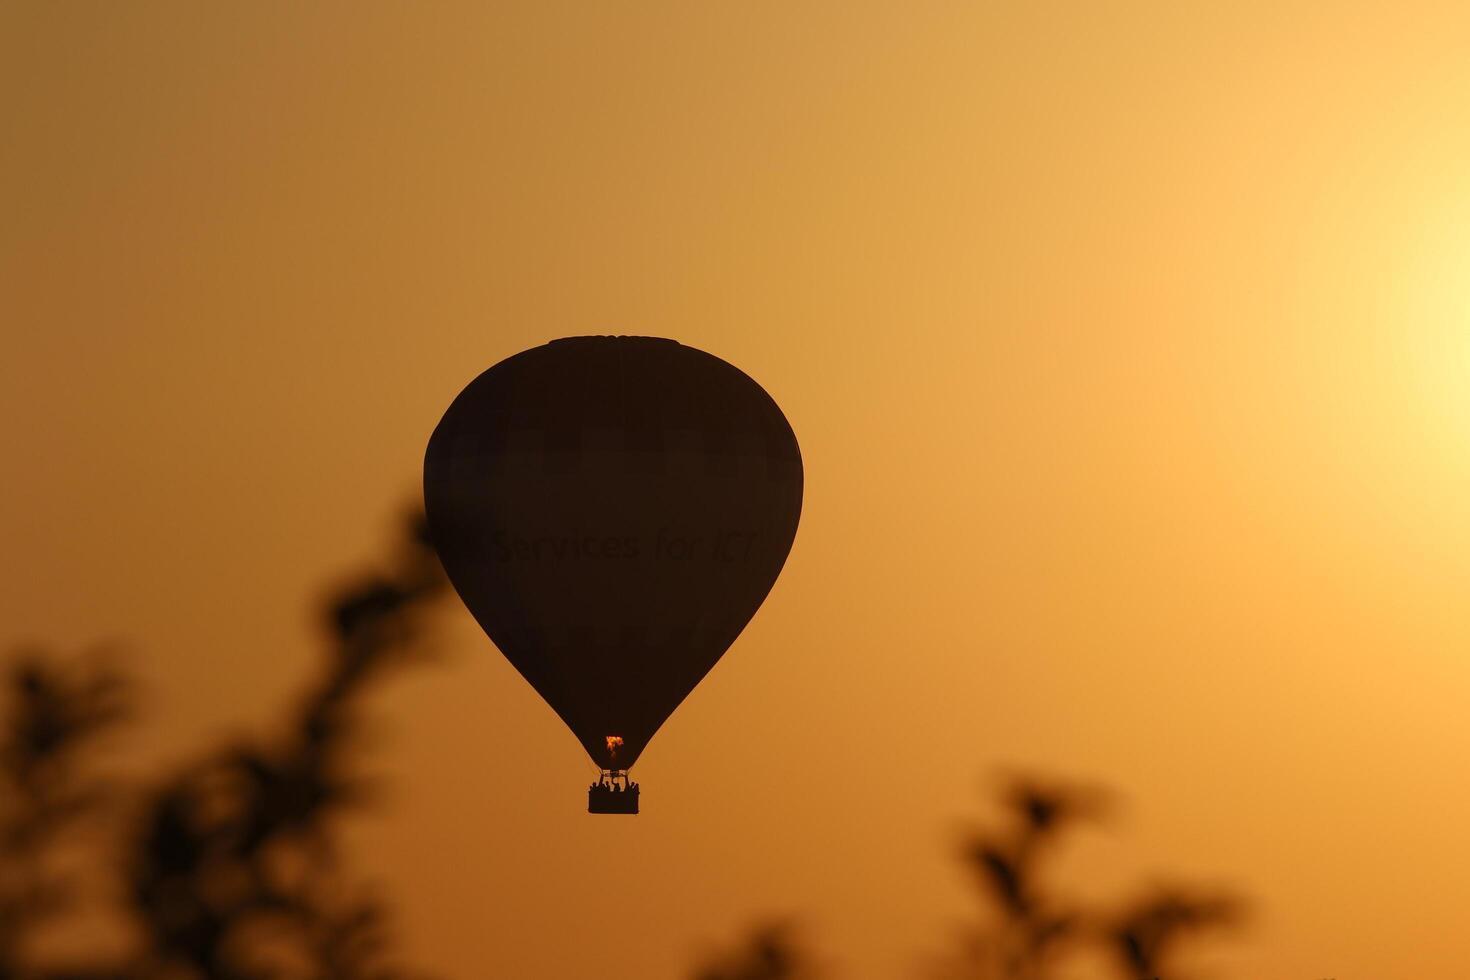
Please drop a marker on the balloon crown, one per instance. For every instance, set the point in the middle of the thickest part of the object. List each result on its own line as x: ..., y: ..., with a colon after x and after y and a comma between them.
x: 614, y: 336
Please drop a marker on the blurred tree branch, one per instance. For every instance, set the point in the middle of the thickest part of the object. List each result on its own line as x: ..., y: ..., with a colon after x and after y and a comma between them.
x: 1030, y: 930
x: 772, y: 951
x: 55, y: 713
x: 229, y: 870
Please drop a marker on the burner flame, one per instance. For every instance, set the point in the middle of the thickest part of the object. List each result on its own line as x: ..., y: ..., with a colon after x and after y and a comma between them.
x: 613, y: 741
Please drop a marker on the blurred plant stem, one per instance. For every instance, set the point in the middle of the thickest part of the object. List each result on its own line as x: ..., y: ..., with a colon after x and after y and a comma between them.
x: 772, y: 951
x: 55, y: 714
x: 1030, y: 931
x: 229, y: 870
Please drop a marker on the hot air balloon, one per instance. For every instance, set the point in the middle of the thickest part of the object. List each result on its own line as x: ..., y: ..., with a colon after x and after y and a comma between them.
x: 612, y: 511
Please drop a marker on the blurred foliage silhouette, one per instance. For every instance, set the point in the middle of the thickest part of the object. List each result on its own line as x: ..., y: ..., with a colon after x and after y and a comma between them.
x: 1031, y: 932
x: 1028, y: 931
x: 772, y: 951
x: 226, y: 868
x: 48, y: 793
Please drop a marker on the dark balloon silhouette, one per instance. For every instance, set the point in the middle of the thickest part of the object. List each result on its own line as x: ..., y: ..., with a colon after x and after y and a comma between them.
x: 613, y: 510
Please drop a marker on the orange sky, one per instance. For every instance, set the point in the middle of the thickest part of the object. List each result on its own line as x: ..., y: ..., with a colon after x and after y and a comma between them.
x: 1126, y: 345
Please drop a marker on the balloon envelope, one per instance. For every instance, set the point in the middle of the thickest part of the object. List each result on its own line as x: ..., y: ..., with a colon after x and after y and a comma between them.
x: 613, y: 510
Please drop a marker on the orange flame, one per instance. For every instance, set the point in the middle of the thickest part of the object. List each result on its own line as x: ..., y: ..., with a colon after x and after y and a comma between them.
x: 613, y: 741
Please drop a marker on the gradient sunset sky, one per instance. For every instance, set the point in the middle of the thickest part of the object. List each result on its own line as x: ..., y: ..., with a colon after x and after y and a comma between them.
x: 1126, y: 343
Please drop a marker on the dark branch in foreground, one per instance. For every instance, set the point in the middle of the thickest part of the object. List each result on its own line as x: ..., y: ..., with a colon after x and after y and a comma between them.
x: 230, y: 870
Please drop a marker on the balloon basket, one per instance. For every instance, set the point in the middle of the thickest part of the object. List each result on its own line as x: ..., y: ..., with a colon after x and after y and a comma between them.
x: 613, y: 793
